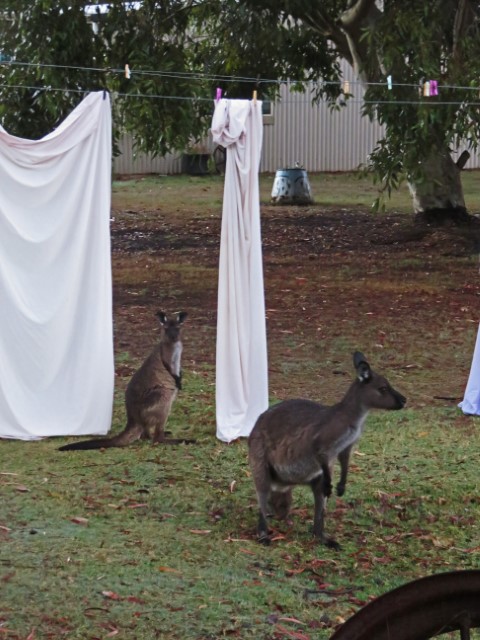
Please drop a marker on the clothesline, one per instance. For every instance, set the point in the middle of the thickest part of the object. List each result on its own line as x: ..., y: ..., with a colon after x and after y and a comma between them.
x: 388, y: 83
x: 427, y: 102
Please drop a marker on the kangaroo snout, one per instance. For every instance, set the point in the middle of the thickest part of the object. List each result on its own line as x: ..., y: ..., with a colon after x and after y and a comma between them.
x: 401, y: 401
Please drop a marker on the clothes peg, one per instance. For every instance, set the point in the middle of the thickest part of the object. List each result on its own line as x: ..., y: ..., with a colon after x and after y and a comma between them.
x: 218, y: 95
x: 254, y: 97
x: 426, y: 89
x: 127, y: 72
x: 433, y: 88
x: 346, y: 87
x: 389, y: 83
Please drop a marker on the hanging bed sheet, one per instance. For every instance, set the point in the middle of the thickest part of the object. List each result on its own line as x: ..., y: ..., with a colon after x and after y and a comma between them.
x: 241, y: 354
x: 470, y: 404
x: 56, y: 346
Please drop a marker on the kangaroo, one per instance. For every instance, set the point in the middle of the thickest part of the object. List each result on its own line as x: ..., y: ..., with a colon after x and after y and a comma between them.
x: 150, y: 393
x: 296, y: 442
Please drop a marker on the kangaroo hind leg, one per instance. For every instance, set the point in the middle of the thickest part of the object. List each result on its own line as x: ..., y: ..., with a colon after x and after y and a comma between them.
x: 156, y: 414
x: 262, y: 480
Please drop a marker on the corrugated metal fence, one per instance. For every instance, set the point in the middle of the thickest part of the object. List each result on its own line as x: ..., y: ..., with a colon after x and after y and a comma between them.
x: 298, y: 130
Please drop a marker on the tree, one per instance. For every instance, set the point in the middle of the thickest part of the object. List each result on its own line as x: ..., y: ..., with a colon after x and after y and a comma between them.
x: 178, y: 51
x: 62, y: 48
x: 411, y: 42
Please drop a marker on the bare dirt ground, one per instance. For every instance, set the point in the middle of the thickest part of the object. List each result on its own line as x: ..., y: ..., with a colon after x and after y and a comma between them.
x: 336, y: 280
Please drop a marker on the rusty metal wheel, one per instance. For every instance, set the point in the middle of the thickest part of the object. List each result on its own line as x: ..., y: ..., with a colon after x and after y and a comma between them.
x: 426, y: 608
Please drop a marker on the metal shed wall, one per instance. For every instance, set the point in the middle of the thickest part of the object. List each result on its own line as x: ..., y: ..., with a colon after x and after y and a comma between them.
x: 313, y: 135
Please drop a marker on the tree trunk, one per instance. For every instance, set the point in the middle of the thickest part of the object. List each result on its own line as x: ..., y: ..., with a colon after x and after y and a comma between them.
x: 438, y: 194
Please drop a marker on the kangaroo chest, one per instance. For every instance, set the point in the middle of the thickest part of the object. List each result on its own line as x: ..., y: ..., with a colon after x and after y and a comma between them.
x: 176, y: 358
x: 347, y: 438
x: 303, y: 466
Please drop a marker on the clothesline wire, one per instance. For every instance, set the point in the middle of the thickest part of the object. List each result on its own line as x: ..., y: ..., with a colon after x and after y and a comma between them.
x: 200, y: 76
x: 427, y: 102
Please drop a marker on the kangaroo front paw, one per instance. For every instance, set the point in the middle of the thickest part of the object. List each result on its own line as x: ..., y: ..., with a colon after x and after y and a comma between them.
x: 340, y: 489
x: 332, y: 544
x: 264, y: 538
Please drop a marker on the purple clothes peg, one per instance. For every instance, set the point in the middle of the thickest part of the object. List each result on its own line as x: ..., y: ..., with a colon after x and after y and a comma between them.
x: 433, y: 88
x: 218, y: 95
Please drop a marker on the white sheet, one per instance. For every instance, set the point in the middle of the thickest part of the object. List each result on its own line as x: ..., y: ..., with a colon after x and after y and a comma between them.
x: 56, y: 346
x: 471, y: 401
x: 241, y: 357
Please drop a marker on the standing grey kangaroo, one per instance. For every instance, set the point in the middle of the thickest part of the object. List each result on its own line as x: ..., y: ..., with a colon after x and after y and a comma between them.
x: 296, y: 442
x: 150, y: 393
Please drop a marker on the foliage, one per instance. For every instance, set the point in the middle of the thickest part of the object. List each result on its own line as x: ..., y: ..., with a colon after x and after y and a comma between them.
x: 180, y: 51
x: 61, y: 36
x: 417, y: 125
x: 67, y: 57
x: 261, y: 49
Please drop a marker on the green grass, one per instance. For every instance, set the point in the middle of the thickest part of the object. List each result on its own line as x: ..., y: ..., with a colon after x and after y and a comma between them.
x: 328, y: 189
x: 156, y: 542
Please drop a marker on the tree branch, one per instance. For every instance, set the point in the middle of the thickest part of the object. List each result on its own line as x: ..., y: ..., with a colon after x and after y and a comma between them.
x: 358, y: 15
x: 464, y: 18
x: 319, y: 22
x: 354, y: 16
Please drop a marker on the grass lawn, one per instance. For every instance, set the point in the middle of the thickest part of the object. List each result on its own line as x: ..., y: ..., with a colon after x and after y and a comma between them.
x: 148, y: 542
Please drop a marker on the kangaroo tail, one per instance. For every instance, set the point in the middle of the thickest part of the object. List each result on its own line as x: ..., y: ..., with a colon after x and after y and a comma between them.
x: 126, y: 437
x: 101, y: 443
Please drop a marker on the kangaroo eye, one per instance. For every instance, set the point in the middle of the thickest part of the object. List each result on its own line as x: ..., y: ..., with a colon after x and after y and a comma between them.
x: 383, y: 389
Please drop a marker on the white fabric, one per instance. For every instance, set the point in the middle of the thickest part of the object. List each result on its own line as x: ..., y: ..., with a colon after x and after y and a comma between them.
x: 241, y: 358
x: 471, y: 400
x: 56, y: 346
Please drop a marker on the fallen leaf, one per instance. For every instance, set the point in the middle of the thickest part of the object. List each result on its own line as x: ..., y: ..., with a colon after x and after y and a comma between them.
x: 7, y: 577
x: 22, y: 488
x: 201, y: 532
x: 294, y: 572
x: 135, y: 599
x: 168, y: 570
x: 292, y: 620
x: 111, y: 595
x: 79, y: 520
x: 291, y: 634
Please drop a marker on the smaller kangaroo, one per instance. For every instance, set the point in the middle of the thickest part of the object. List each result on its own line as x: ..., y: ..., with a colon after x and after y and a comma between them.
x: 296, y: 442
x: 150, y: 393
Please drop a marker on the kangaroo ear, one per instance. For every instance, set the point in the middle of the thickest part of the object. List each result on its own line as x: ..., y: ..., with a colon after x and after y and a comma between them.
x: 162, y: 316
x: 181, y: 317
x: 364, y: 373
